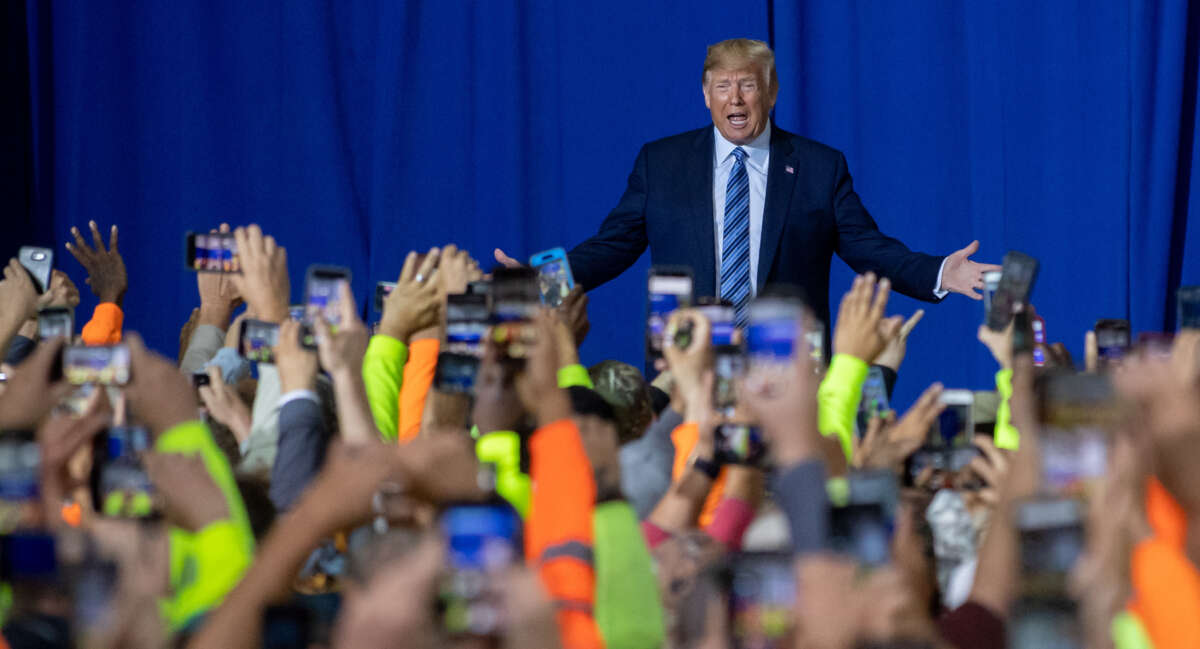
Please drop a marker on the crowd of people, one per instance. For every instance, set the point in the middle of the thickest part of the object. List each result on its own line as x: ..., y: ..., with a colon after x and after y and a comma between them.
x: 334, y: 497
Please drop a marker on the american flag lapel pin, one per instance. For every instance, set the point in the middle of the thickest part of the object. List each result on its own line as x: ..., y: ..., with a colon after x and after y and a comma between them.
x: 788, y: 168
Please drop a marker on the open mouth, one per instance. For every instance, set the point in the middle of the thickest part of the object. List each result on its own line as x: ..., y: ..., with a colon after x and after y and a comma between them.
x: 738, y: 120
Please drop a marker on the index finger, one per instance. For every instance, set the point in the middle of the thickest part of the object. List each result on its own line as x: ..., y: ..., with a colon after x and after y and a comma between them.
x: 96, y: 238
x: 427, y: 264
x: 911, y: 322
x: 881, y: 298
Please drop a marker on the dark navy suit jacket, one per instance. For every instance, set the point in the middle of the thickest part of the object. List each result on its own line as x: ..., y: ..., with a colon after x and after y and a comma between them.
x: 811, y: 212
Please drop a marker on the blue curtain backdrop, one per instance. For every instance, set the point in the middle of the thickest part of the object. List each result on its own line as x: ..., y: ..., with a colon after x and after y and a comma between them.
x: 355, y: 131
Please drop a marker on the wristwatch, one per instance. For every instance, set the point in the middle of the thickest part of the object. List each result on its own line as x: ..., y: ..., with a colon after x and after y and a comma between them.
x: 707, y: 467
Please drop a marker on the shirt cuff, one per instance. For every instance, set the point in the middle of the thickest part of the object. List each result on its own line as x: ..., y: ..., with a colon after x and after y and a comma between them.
x: 938, y: 292
x: 299, y: 394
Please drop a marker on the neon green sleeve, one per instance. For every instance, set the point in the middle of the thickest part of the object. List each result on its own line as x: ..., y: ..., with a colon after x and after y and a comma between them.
x: 1006, y: 435
x: 213, y: 561
x: 838, y: 397
x: 502, y: 449
x: 206, y: 565
x: 571, y: 375
x: 383, y: 373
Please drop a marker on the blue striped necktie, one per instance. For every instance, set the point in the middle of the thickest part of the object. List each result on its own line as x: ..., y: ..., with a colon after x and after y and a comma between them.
x: 735, y: 239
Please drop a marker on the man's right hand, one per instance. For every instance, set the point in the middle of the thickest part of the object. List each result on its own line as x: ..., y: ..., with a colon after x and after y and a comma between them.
x: 264, y: 282
x: 415, y: 303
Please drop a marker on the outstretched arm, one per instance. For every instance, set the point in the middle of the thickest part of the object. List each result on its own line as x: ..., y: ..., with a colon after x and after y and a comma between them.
x: 622, y: 236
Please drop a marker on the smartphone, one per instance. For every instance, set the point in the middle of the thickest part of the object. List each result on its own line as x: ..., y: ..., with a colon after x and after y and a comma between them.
x: 458, y: 359
x: 1016, y: 283
x: 553, y: 275
x: 1188, y: 303
x: 874, y: 401
x: 286, y: 626
x: 214, y: 252
x: 323, y: 295
x: 28, y: 556
x: 56, y: 322
x: 1038, y: 325
x: 949, y: 445
x: 296, y: 312
x: 514, y: 300
x: 1078, y: 414
x: 1052, y: 537
x: 1112, y: 340
x: 863, y: 527
x: 20, y: 462
x: 382, y: 290
x: 38, y: 262
x: 102, y: 365
x: 762, y: 598
x: 729, y: 366
x: 483, y: 541
x: 773, y: 326
x: 1022, y: 338
x: 257, y: 339
x: 991, y: 282
x: 740, y: 444
x: 720, y: 315
x: 119, y: 483
x: 667, y: 288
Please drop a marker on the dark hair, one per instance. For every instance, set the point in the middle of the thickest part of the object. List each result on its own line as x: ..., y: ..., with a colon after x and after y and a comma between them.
x: 626, y: 390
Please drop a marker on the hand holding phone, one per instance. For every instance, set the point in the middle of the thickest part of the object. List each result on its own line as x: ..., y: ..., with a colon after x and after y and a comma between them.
x: 553, y: 275
x: 214, y: 252
x: 119, y: 482
x: 323, y: 294
x: 483, y: 541
x: 668, y: 288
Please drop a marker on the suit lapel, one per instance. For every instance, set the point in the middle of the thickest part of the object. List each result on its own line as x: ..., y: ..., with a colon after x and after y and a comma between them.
x: 699, y: 178
x: 780, y: 182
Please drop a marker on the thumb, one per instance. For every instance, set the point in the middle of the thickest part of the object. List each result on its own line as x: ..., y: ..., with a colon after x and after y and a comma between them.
x: 505, y: 260
x: 971, y: 249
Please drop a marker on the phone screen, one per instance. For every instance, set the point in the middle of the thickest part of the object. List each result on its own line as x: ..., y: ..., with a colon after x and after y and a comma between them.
x: 762, y: 596
x: 739, y: 444
x: 1016, y: 283
x: 949, y: 446
x: 382, y: 290
x: 120, y: 486
x: 323, y: 294
x: 553, y: 275
x: 514, y: 301
x: 1078, y: 413
x: 55, y: 323
x: 721, y: 316
x: 1052, y: 537
x: 103, y: 365
x: 1112, y: 340
x: 874, y: 401
x: 20, y: 463
x: 1038, y: 325
x: 40, y: 263
x: 667, y: 291
x: 212, y: 253
x: 863, y: 527
x: 483, y: 541
x: 729, y: 366
x: 458, y: 360
x: 1188, y: 301
x: 773, y: 327
x: 257, y: 340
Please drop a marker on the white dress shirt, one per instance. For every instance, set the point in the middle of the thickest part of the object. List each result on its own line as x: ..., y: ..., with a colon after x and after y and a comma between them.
x: 758, y: 158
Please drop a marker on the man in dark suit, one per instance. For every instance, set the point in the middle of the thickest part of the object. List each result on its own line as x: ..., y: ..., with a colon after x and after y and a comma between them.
x: 746, y: 204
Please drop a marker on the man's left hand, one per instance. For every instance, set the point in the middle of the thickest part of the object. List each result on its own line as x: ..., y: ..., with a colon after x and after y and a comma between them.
x: 961, y: 275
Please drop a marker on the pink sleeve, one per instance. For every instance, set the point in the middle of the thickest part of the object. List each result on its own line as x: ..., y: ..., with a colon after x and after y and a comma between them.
x: 730, y: 521
x: 654, y: 534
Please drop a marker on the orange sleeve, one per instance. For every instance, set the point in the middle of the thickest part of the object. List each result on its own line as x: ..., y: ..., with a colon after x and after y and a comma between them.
x: 1166, y: 584
x: 418, y: 377
x: 105, y: 326
x: 685, y: 437
x: 558, y: 532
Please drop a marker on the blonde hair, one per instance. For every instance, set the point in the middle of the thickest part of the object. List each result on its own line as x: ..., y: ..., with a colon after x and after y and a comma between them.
x: 735, y: 53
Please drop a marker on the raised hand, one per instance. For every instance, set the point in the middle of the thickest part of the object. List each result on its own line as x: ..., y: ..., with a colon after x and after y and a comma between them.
x: 688, y: 364
x: 225, y: 404
x: 18, y: 296
x: 887, y: 441
x: 505, y: 260
x: 342, y: 352
x: 574, y: 313
x: 264, y: 282
x: 218, y: 294
x: 296, y: 364
x: 191, y: 499
x: 456, y: 269
x: 537, y: 384
x: 105, y: 267
x: 893, y: 355
x: 785, y: 406
x: 62, y: 293
x: 861, y: 329
x: 961, y: 275
x: 31, y: 391
x: 158, y: 394
x: 414, y: 304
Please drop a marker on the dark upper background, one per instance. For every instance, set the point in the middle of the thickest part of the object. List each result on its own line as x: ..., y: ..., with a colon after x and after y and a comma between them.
x: 356, y: 131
